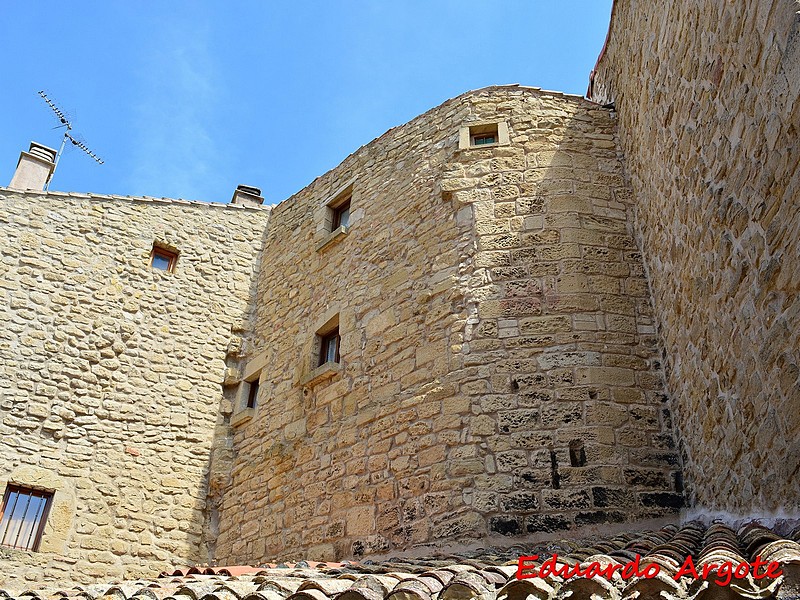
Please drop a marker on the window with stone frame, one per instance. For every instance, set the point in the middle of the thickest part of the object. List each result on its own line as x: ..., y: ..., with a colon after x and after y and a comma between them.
x: 329, y: 347
x: 485, y: 134
x: 163, y: 259
x: 24, y: 515
x: 252, y: 393
x: 339, y: 210
x: 336, y: 214
x: 341, y: 215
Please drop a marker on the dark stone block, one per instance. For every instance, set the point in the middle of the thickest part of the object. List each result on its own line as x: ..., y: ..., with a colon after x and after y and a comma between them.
x: 661, y: 500
x: 604, y: 497
x: 655, y: 458
x: 505, y: 525
x: 530, y: 380
x: 646, y: 478
x: 534, y: 398
x: 645, y: 417
x: 513, y: 420
x: 562, y: 378
x: 531, y: 478
x: 519, y: 502
x: 546, y: 523
x: 563, y: 414
x: 566, y: 499
x: 664, y: 441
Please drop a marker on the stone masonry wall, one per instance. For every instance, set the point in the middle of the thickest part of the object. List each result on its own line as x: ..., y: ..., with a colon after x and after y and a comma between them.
x: 112, y: 371
x: 493, y: 313
x: 707, y: 94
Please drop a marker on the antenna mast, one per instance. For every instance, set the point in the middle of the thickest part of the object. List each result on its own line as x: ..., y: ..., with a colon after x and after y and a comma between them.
x: 65, y: 122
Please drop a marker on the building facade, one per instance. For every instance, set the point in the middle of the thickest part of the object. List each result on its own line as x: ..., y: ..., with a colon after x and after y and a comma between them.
x: 520, y: 313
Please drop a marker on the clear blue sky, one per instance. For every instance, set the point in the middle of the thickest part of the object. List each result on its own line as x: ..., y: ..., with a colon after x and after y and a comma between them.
x: 188, y: 99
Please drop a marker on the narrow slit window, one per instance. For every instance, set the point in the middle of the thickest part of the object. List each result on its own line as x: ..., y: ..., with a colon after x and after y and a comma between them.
x: 252, y: 393
x: 23, y: 517
x: 162, y: 259
x: 329, y: 350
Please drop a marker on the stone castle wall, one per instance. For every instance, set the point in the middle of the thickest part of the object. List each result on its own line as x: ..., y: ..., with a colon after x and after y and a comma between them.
x: 707, y: 95
x: 112, y: 371
x: 493, y: 314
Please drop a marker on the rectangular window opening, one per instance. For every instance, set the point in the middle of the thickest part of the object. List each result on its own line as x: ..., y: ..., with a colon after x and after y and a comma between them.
x: 252, y: 393
x: 329, y: 349
x: 163, y: 259
x: 483, y: 135
x: 23, y: 518
x: 341, y: 215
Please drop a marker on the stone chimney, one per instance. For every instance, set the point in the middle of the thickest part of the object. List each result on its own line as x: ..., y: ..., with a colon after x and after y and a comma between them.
x: 34, y: 169
x: 247, y: 196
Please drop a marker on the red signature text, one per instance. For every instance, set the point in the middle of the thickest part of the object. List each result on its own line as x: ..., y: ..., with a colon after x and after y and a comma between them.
x: 722, y: 573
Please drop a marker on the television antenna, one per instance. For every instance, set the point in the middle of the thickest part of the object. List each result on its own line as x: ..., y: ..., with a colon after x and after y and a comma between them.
x: 65, y: 122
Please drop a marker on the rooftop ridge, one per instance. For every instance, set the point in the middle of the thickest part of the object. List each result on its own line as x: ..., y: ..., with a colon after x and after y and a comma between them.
x: 532, y: 88
x: 150, y: 199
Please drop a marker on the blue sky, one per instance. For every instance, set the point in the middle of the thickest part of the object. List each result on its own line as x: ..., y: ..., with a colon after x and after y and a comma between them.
x: 188, y: 99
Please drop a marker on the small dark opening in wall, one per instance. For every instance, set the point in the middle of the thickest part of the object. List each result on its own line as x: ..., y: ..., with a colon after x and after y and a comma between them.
x: 679, y: 482
x: 252, y: 393
x: 555, y: 479
x: 577, y: 455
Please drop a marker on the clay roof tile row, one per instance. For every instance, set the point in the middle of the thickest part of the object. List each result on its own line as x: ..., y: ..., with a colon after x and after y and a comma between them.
x: 486, y: 574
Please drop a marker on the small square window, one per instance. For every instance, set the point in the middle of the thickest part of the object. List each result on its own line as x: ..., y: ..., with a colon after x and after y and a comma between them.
x: 163, y: 259
x: 23, y: 518
x: 483, y: 135
x: 329, y: 349
x: 341, y: 215
x: 252, y: 393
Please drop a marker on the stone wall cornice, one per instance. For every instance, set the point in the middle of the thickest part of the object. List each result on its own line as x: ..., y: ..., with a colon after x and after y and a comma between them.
x: 6, y: 191
x: 577, y: 99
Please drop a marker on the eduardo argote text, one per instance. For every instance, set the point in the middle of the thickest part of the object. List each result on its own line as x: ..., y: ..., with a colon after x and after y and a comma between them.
x: 722, y: 572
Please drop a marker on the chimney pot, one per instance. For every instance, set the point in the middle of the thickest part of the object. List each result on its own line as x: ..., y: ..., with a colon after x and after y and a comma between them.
x: 34, y: 168
x: 247, y: 195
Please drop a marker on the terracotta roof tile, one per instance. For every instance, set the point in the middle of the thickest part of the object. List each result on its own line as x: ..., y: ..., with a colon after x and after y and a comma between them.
x: 484, y: 574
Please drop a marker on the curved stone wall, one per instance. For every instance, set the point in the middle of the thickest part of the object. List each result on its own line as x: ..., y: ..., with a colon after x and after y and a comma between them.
x: 495, y: 330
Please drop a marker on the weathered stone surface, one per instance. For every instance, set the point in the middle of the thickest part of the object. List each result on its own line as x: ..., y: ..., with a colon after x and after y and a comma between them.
x: 480, y: 330
x: 111, y: 371
x: 707, y: 96
x: 500, y: 370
